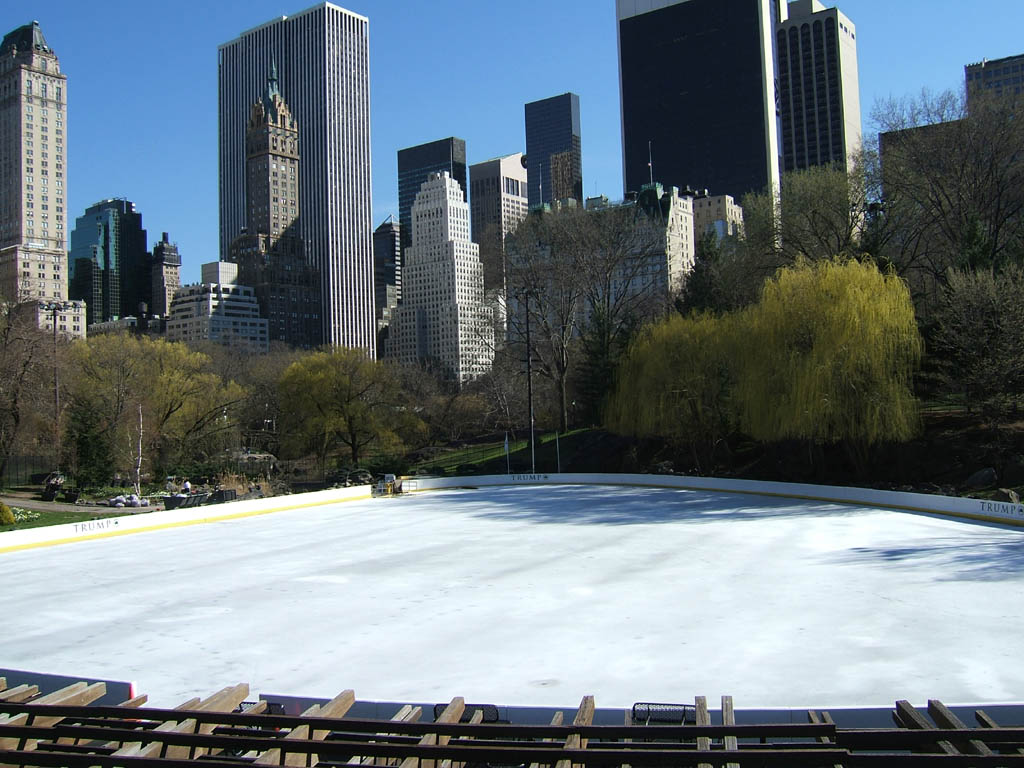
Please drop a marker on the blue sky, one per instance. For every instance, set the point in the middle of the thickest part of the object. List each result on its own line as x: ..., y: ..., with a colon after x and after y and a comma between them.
x: 142, y: 84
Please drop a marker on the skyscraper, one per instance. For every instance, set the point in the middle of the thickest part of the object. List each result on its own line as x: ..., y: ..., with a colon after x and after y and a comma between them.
x: 995, y: 78
x: 322, y: 56
x: 819, y: 91
x: 165, y: 276
x: 697, y: 93
x: 109, y: 262
x: 442, y: 318
x: 33, y: 114
x: 270, y: 254
x: 554, y: 155
x: 387, y: 277
x: 415, y: 164
x: 497, y: 203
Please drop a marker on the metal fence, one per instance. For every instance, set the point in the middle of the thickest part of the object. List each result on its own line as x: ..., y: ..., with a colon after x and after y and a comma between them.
x: 20, y: 470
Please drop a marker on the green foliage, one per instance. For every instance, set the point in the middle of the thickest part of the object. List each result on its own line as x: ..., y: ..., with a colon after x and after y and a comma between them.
x: 88, y: 446
x: 703, y: 290
x: 6, y: 515
x: 675, y: 383
x: 978, y: 340
x: 342, y: 397
x: 187, y: 411
x: 825, y: 356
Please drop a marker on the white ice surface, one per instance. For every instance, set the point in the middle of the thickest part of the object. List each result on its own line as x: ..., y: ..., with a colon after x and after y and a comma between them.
x: 537, y: 596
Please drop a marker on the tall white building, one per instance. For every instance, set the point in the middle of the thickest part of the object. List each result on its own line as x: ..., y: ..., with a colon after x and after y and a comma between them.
x: 219, y: 310
x: 666, y: 261
x: 33, y: 180
x: 819, y: 89
x: 443, y: 318
x: 322, y: 59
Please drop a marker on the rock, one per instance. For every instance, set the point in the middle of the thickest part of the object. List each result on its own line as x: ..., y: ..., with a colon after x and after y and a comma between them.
x: 1008, y: 494
x: 983, y: 478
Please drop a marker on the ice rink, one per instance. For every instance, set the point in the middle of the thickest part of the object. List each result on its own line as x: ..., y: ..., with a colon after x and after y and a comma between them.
x: 536, y: 596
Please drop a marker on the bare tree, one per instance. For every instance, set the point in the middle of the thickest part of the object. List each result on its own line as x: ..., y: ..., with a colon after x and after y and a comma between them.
x: 952, y: 182
x: 23, y: 358
x: 546, y: 298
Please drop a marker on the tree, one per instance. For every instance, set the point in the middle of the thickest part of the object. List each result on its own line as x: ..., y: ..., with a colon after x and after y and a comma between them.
x: 258, y: 375
x: 823, y: 211
x: 952, y: 180
x: 188, y: 412
x: 979, y: 339
x: 342, y: 397
x: 546, y: 292
x: 623, y: 250
x: 590, y: 279
x: 818, y: 213
x: 707, y: 287
x: 449, y: 410
x: 675, y: 383
x: 24, y: 359
x: 827, y: 356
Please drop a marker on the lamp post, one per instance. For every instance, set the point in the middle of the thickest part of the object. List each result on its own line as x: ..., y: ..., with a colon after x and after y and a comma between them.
x: 55, y: 307
x: 525, y: 295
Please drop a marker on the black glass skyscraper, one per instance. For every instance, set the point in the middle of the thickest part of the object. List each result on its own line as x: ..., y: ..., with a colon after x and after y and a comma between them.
x: 415, y: 164
x: 698, y: 96
x: 109, y: 261
x: 554, y: 158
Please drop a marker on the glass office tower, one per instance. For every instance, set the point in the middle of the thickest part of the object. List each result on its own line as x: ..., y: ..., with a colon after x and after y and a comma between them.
x: 698, y: 96
x: 554, y: 157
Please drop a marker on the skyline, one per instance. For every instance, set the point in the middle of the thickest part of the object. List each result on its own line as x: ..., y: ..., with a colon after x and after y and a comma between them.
x: 159, y: 92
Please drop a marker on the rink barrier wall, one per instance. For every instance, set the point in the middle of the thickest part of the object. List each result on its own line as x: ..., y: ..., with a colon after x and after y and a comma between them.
x: 949, y: 506
x: 142, y: 521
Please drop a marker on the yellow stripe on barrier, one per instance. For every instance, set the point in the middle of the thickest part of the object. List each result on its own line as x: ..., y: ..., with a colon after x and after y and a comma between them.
x: 176, y: 524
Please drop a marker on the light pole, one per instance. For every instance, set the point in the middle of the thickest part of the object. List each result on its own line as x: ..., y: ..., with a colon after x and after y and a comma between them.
x: 529, y: 383
x: 54, y: 307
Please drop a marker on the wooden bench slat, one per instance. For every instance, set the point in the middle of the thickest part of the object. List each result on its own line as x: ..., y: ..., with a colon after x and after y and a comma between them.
x: 908, y: 717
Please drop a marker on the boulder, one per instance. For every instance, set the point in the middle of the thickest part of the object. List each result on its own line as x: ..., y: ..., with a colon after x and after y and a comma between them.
x: 983, y: 478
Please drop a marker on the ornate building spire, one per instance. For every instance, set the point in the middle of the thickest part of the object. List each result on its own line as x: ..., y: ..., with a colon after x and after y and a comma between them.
x: 272, y: 96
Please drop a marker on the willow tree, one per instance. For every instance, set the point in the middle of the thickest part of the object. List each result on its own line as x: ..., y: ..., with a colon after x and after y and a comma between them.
x: 675, y: 384
x: 827, y: 356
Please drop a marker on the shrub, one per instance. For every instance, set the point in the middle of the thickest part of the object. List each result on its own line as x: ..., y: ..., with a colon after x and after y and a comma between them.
x: 6, y: 515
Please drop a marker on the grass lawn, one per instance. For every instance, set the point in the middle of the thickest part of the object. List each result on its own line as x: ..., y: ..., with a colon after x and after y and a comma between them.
x: 41, y: 519
x: 490, y: 457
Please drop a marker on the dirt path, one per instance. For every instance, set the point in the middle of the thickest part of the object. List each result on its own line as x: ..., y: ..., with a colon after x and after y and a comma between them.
x: 31, y: 501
